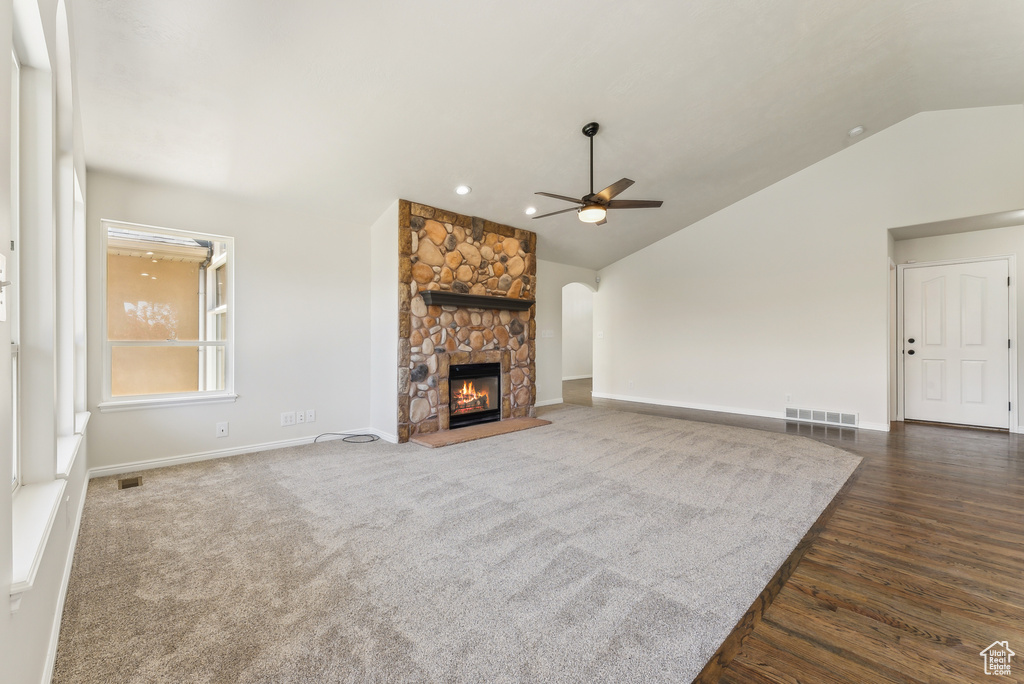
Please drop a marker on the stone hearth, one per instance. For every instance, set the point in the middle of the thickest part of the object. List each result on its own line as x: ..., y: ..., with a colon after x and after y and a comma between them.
x: 443, y: 251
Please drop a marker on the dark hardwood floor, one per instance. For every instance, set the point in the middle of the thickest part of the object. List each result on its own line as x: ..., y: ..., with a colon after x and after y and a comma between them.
x: 917, y: 567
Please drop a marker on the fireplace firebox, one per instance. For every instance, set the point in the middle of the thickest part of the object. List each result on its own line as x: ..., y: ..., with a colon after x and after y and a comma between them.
x: 474, y: 394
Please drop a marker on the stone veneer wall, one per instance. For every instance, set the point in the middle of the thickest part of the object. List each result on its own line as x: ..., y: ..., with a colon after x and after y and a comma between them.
x: 442, y: 250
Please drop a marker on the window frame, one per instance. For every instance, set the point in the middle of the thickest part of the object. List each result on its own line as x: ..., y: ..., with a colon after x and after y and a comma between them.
x: 139, y: 401
x: 13, y: 291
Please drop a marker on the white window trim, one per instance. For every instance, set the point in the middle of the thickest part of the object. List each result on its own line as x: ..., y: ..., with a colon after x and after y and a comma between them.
x: 130, y: 403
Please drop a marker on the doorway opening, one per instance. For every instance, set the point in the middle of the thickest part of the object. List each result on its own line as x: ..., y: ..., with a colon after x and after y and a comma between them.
x: 577, y: 332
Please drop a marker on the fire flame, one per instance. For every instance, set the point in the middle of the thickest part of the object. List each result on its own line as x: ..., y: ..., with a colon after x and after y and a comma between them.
x: 469, y: 397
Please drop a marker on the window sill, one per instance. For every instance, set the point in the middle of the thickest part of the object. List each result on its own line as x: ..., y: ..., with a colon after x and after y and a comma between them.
x: 33, y: 511
x: 67, y: 450
x: 81, y: 420
x: 135, y: 404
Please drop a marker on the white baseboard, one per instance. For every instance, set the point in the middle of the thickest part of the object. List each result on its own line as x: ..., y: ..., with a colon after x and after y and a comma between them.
x: 548, y: 402
x: 780, y: 415
x: 51, y: 651
x: 223, y: 453
x: 577, y: 377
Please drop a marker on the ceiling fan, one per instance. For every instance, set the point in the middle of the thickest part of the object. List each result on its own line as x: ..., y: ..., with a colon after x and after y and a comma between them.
x: 594, y: 207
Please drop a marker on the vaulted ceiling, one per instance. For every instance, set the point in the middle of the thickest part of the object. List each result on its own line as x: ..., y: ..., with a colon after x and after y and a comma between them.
x: 346, y: 106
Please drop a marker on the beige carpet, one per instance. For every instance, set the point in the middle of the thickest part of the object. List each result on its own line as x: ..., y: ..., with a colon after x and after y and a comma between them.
x: 606, y: 547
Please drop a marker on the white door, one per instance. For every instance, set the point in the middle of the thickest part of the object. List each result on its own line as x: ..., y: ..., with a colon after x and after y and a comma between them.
x: 956, y: 343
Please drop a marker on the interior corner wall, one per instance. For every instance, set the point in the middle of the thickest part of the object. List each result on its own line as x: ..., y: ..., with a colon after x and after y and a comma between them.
x: 301, y: 320
x: 384, y: 324
x: 551, y: 278
x: 577, y: 331
x: 784, y: 293
x: 971, y: 245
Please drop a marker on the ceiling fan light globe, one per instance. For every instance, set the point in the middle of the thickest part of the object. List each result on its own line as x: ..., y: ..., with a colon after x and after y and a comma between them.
x: 591, y: 213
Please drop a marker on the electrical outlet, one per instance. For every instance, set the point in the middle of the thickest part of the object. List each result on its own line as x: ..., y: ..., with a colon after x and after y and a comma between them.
x: 789, y: 398
x: 310, y: 415
x: 300, y: 417
x: 287, y: 418
x: 222, y: 429
x: 630, y: 383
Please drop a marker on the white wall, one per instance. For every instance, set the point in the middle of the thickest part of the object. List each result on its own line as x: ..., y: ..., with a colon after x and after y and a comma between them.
x: 785, y: 292
x: 551, y: 278
x: 301, y: 327
x: 577, y: 331
x: 384, y: 324
x: 983, y: 243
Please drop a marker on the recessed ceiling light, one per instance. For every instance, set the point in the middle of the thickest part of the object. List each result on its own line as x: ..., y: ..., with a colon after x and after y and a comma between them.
x: 855, y: 131
x: 149, y: 254
x: 154, y: 261
x: 530, y: 211
x: 463, y: 190
x: 145, y: 274
x: 152, y: 277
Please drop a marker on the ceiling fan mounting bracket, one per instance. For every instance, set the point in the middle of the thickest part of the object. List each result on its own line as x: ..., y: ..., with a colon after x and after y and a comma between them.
x: 590, y: 130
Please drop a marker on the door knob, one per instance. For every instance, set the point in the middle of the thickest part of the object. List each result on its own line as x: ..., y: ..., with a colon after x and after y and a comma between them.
x: 911, y: 340
x: 911, y: 352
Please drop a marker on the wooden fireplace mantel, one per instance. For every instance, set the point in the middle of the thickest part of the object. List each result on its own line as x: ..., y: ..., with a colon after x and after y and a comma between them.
x: 441, y: 298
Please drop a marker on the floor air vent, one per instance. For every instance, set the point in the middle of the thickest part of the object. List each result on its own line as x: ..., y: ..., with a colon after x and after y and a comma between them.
x: 128, y: 482
x: 823, y: 417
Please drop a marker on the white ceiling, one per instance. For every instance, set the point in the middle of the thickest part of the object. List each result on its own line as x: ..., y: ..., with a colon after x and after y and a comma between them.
x: 350, y: 105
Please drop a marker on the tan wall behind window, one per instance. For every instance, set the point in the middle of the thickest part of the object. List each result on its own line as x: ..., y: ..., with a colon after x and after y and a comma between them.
x: 141, y: 308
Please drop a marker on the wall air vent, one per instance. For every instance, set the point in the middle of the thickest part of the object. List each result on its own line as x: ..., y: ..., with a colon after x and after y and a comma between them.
x: 128, y: 482
x: 823, y: 417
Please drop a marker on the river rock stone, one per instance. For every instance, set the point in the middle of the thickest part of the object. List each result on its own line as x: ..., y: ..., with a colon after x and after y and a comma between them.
x: 487, y: 253
x: 453, y: 259
x: 419, y: 373
x: 418, y: 306
x: 515, y: 266
x: 435, y: 231
x: 465, y: 273
x: 422, y: 273
x: 515, y: 289
x: 505, y: 282
x: 419, y: 409
x: 476, y: 340
x: 510, y: 246
x: 501, y: 335
x: 446, y: 276
x: 428, y: 346
x: 478, y: 289
x: 515, y: 327
x: 428, y: 253
x: 450, y: 242
x: 470, y: 253
x: 523, y: 355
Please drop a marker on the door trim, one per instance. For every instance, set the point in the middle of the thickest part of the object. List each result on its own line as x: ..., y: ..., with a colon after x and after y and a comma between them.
x: 1011, y: 266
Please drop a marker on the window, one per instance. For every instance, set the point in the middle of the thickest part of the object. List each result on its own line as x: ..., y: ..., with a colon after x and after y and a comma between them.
x: 168, y: 316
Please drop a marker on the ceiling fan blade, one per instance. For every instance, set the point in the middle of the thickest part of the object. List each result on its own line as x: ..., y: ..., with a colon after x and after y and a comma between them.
x: 556, y: 212
x: 602, y: 221
x: 634, y: 204
x: 561, y: 197
x: 614, y: 189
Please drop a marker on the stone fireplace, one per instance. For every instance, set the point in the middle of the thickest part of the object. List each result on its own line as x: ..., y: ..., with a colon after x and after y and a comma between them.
x: 466, y: 290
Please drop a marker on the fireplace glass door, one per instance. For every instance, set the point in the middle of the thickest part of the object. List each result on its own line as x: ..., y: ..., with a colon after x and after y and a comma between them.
x: 474, y: 394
